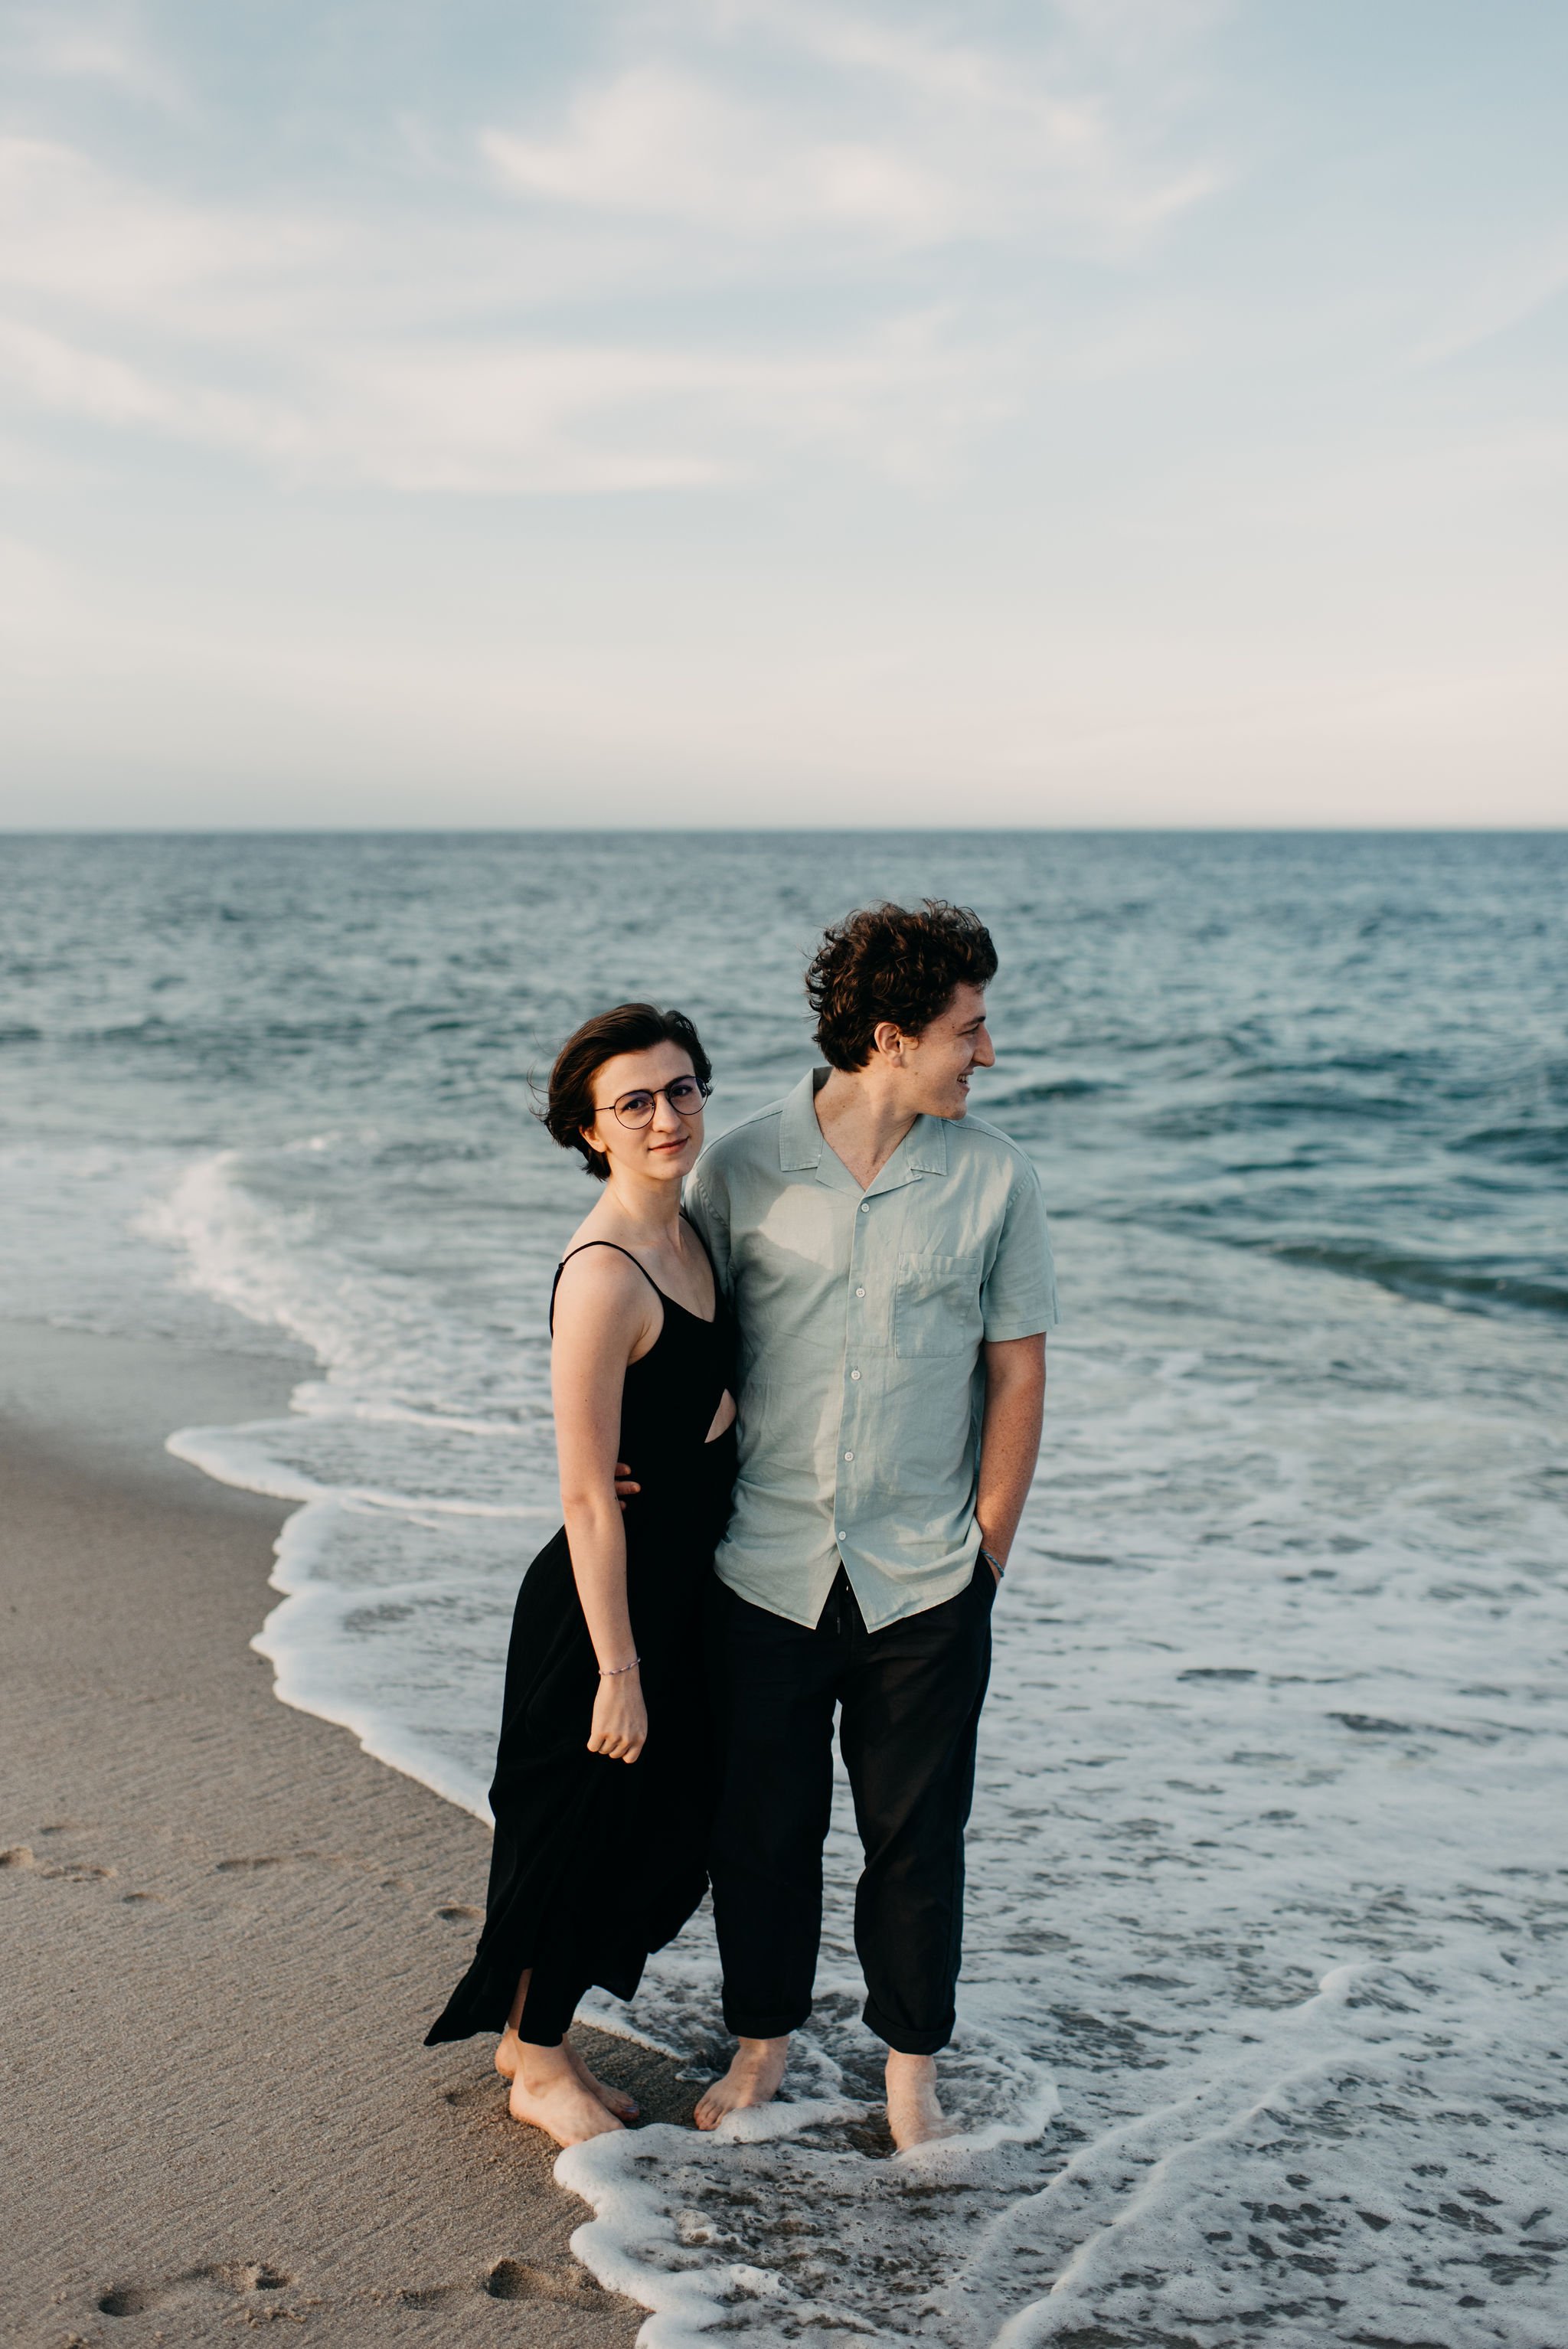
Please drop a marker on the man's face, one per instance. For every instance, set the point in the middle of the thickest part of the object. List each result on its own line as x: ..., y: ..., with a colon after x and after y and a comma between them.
x: 938, y: 1061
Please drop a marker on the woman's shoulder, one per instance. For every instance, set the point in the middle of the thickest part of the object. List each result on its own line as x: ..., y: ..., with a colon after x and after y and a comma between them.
x: 598, y: 1270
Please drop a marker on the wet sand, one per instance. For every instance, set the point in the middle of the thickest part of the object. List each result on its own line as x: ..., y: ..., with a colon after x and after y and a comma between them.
x: 225, y: 1928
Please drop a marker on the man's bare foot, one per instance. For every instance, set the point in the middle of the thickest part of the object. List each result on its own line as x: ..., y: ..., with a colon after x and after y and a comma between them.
x: 755, y: 2071
x: 547, y: 2093
x: 914, y: 2114
x: 509, y: 2055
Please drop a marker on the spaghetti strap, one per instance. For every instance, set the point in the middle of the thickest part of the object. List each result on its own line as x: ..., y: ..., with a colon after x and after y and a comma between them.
x: 643, y: 1268
x: 566, y: 1260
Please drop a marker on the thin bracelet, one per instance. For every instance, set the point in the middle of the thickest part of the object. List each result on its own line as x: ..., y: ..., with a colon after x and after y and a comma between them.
x: 614, y: 1671
x: 995, y: 1563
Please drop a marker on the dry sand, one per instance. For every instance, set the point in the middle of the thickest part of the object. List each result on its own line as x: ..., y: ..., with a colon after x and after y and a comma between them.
x: 226, y: 1931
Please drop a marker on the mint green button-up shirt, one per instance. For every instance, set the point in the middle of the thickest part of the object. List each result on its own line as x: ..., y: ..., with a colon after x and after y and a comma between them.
x: 862, y: 1318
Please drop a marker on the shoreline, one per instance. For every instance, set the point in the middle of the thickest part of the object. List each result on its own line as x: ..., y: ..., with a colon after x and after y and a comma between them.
x: 228, y: 1927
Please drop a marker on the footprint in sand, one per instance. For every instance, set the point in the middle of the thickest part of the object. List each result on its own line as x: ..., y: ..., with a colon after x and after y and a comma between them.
x: 70, y: 1871
x: 242, y: 2275
x: 130, y: 2300
x: 510, y: 2280
x: 237, y: 2276
x: 520, y: 2280
x: 506, y: 2279
x: 454, y: 1912
x: 73, y: 1871
x: 248, y: 1864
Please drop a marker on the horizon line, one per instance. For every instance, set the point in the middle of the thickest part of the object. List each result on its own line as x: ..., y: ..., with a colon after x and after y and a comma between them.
x: 769, y: 830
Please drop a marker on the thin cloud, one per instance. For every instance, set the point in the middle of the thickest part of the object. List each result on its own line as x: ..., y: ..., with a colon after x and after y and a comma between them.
x: 560, y: 419
x: 666, y: 143
x: 1026, y: 137
x: 540, y: 419
x: 68, y: 378
x: 1142, y: 32
x: 894, y: 133
x: 468, y: 349
x: 93, y: 50
x: 77, y: 233
x: 1513, y: 292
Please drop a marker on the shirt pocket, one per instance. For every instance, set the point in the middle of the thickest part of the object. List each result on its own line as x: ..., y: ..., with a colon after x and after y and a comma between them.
x: 936, y: 1306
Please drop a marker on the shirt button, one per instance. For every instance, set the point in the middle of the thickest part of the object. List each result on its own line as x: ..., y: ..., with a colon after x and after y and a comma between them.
x: 859, y: 1292
x: 865, y: 1206
x: 854, y: 1374
x: 849, y: 1456
x: 841, y: 1535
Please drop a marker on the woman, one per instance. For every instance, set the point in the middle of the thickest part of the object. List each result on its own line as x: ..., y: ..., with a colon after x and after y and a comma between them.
x: 602, y: 1778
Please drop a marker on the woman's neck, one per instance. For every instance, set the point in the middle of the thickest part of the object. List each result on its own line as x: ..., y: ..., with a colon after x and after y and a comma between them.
x: 650, y: 1212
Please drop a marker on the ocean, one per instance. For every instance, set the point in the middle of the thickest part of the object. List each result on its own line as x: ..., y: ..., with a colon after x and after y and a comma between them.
x: 1262, y: 2019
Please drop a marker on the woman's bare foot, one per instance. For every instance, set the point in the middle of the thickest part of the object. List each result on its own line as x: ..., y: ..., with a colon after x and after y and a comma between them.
x: 914, y: 2114
x: 547, y: 2093
x: 755, y: 2071
x: 614, y: 2100
x: 509, y: 2055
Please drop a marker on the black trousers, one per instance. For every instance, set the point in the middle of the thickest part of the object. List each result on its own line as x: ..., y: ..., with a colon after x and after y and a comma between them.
x: 909, y: 1698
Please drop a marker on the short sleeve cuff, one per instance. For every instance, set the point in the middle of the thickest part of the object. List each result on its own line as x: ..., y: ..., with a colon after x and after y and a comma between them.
x: 1015, y: 1323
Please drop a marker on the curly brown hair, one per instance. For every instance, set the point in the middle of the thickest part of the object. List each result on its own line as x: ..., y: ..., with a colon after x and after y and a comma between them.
x: 897, y: 963
x: 628, y: 1028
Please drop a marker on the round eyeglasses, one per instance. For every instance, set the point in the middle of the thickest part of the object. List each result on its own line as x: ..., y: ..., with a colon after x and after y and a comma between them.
x: 685, y: 1096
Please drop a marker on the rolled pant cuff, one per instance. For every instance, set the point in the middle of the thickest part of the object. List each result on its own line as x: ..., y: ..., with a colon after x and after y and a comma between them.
x: 778, y: 2025
x: 907, y: 2042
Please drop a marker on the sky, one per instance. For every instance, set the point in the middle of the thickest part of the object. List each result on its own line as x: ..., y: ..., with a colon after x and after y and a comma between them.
x: 732, y: 412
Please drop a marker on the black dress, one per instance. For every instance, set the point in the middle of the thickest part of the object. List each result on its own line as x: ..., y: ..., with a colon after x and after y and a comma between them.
x: 598, y: 1862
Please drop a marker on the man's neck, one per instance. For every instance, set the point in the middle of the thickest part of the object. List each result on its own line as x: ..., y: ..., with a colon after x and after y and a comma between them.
x: 863, y: 1121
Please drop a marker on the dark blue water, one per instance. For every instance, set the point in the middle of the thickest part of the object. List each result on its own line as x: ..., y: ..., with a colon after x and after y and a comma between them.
x: 1348, y: 1050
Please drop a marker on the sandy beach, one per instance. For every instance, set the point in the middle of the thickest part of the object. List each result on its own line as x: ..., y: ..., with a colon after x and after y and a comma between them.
x: 225, y: 1928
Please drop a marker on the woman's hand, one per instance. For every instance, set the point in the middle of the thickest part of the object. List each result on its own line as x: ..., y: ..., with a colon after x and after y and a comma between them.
x: 620, y: 1728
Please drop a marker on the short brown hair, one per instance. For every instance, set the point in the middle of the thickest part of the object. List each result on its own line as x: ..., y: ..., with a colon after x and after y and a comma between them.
x: 628, y: 1028
x: 892, y: 962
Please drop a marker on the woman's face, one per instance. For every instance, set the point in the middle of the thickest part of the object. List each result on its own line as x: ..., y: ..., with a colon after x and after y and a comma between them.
x: 667, y: 1145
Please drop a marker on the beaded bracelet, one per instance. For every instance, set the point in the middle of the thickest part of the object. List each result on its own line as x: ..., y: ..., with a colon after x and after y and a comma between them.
x: 614, y: 1671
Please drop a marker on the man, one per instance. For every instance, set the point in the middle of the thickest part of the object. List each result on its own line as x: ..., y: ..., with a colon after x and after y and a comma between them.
x: 888, y: 1258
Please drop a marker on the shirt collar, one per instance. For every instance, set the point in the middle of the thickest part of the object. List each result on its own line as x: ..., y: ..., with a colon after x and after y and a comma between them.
x: 925, y: 1146
x: 922, y: 1151
x: 801, y: 1142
